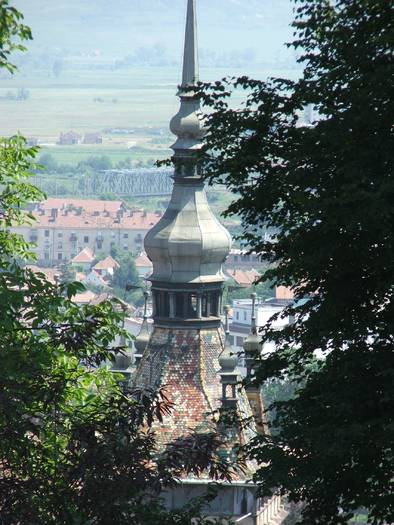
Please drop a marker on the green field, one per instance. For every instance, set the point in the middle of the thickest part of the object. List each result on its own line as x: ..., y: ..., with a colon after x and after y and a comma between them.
x: 129, y: 98
x: 87, y: 101
x: 72, y: 155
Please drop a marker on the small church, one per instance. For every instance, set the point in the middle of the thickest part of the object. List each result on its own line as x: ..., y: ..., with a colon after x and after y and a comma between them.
x: 188, y: 351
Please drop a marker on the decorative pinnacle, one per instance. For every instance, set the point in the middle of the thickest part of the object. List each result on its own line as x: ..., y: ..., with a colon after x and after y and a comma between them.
x: 187, y: 123
x: 146, y: 297
x: 227, y: 320
x: 253, y: 327
x: 190, y: 57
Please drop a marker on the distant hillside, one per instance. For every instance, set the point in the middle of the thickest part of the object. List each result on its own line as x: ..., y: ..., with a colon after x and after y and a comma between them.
x: 117, y: 28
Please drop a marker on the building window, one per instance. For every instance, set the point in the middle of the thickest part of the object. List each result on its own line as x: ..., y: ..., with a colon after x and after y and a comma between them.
x: 231, y: 339
x: 245, y: 316
x: 59, y: 245
x: 125, y: 247
x: 60, y: 235
x: 162, y: 301
x: 240, y: 341
x: 46, y: 256
x: 192, y: 306
x: 86, y: 238
x: 59, y: 256
x: 46, y: 233
x: 237, y: 315
x: 125, y: 236
x: 179, y: 305
x: 214, y: 300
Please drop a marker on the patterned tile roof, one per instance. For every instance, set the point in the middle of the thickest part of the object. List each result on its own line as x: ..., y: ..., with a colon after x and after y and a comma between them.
x: 185, y: 363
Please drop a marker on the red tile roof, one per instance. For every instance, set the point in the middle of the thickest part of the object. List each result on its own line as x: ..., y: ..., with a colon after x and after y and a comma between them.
x: 244, y: 278
x: 143, y: 261
x: 89, y: 205
x: 48, y: 272
x: 105, y: 264
x: 283, y: 292
x: 85, y: 256
x: 85, y: 297
x: 129, y: 221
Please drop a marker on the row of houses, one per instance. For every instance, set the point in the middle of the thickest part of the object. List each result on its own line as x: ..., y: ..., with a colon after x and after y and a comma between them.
x: 65, y: 227
x: 241, y: 316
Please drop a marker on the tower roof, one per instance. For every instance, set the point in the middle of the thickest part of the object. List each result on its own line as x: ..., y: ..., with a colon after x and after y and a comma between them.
x: 188, y: 245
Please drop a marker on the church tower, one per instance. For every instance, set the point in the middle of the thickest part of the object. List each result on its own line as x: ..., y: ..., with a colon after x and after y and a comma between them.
x: 187, y: 248
x: 188, y: 353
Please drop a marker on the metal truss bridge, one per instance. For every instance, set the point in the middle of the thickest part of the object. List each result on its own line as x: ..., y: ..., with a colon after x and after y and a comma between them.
x: 143, y: 182
x: 137, y: 182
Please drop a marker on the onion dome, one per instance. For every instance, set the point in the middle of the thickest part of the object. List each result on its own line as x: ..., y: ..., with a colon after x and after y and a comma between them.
x: 188, y: 244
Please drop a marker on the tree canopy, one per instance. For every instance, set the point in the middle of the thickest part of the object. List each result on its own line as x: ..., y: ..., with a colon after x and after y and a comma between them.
x: 76, y: 447
x: 325, y: 192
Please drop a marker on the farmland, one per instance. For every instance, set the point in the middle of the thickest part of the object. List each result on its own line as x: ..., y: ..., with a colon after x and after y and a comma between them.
x: 130, y: 107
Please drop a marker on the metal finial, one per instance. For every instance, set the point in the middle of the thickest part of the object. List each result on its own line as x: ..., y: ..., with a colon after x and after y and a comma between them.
x: 253, y: 323
x: 227, y: 320
x: 190, y: 57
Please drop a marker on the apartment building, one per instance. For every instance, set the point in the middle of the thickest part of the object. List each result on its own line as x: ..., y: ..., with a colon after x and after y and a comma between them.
x: 243, y: 260
x: 65, y: 227
x: 242, y: 316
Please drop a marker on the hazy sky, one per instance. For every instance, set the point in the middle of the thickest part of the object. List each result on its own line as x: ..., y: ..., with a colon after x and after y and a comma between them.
x: 116, y: 28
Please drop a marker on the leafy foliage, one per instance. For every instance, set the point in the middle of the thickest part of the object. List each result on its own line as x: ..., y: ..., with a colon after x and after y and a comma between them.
x: 12, y: 32
x: 127, y: 273
x: 76, y: 448
x: 325, y: 194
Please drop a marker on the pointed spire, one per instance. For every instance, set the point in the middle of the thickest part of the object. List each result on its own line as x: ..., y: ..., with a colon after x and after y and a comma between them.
x: 228, y: 359
x: 253, y: 342
x: 187, y: 124
x: 190, y: 57
x: 142, y: 339
x: 253, y: 324
x: 228, y: 369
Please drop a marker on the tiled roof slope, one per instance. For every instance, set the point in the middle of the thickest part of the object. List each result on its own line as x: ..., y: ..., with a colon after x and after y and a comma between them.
x: 89, y: 205
x: 185, y: 363
x: 245, y: 278
x: 84, y: 256
x: 129, y: 220
x: 105, y: 264
x: 143, y: 261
